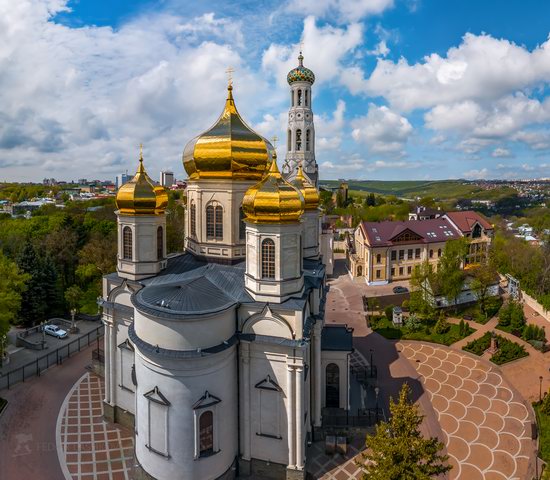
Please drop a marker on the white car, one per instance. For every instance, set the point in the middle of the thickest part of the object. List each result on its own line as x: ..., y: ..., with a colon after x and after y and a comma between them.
x: 55, y: 331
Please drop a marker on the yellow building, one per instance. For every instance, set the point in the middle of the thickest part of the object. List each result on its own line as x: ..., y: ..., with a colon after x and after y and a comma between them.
x: 383, y: 252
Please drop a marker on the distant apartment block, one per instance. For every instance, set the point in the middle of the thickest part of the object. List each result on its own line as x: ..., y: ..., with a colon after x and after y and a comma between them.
x: 383, y: 252
x: 166, y: 178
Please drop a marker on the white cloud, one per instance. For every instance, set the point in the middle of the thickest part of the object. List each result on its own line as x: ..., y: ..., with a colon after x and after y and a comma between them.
x: 480, y: 68
x: 345, y: 10
x: 79, y: 100
x: 501, y: 153
x: 324, y: 49
x: 476, y: 174
x: 537, y: 140
x: 329, y: 131
x: 381, y: 49
x: 383, y: 130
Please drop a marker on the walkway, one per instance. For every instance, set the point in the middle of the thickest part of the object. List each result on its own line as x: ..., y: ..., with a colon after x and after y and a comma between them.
x: 28, y: 425
x: 486, y: 425
x: 89, y: 448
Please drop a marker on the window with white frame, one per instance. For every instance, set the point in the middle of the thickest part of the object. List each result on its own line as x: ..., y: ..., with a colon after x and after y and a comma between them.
x: 269, y: 399
x: 127, y: 243
x: 126, y: 352
x: 157, y: 422
x: 206, y: 425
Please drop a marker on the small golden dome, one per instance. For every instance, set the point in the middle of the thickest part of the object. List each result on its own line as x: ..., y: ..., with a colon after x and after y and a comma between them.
x: 228, y: 150
x: 140, y: 196
x: 308, y: 191
x: 273, y: 199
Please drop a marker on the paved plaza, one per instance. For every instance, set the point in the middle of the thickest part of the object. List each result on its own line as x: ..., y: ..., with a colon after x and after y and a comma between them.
x: 90, y: 448
x: 485, y: 422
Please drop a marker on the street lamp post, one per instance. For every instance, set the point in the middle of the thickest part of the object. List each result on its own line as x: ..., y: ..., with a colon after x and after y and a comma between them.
x: 376, y: 392
x: 371, y: 352
x: 73, y: 325
x: 540, y: 388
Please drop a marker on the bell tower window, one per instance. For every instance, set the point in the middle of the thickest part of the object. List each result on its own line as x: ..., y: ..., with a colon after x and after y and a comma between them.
x: 291, y: 98
x: 193, y: 218
x: 298, y: 140
x: 268, y: 259
x: 299, y: 97
x: 306, y: 97
x: 289, y: 141
x: 214, y: 222
x: 308, y: 142
x: 127, y: 243
x: 160, y: 244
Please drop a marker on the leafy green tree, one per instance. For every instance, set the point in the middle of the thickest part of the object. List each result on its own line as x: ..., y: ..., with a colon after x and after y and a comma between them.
x: 442, y: 326
x: 545, y: 405
x: 398, y: 451
x: 483, y: 278
x: 73, y: 297
x: 422, y: 282
x: 389, y: 312
x: 450, y: 276
x: 12, y: 285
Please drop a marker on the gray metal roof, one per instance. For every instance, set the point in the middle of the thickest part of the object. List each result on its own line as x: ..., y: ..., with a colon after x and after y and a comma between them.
x: 337, y: 338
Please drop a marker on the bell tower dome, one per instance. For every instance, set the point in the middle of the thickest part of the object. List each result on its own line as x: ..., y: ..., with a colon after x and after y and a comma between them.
x: 301, y: 130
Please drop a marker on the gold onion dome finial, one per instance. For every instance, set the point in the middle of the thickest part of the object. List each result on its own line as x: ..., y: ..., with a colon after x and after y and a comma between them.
x: 228, y: 150
x: 306, y: 188
x: 273, y: 199
x: 140, y: 196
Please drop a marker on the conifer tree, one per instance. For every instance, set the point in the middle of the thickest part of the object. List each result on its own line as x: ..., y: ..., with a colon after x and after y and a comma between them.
x: 398, y: 451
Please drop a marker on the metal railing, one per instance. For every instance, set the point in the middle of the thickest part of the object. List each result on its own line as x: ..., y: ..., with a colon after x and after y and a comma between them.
x: 366, y: 417
x: 54, y: 357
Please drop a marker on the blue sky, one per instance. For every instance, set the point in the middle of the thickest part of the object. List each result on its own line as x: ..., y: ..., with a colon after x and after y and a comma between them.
x: 406, y: 89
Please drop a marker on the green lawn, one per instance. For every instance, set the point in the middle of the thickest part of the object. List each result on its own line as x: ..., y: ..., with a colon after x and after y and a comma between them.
x: 543, y: 422
x: 386, y: 328
x: 507, y: 350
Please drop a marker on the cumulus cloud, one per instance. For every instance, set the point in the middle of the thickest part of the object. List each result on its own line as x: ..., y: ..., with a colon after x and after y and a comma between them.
x: 329, y: 131
x: 476, y: 174
x: 77, y: 100
x: 324, y: 49
x: 501, y: 153
x: 345, y: 10
x: 383, y: 130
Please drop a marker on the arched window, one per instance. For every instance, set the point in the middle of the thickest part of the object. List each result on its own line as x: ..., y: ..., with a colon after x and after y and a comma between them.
x: 298, y: 140
x: 160, y: 244
x: 127, y: 243
x: 431, y: 253
x: 289, y: 141
x: 206, y: 433
x: 439, y: 252
x: 332, y: 394
x: 306, y: 99
x: 242, y: 225
x: 193, y: 217
x: 268, y: 258
x: 299, y: 97
x: 307, y: 140
x: 214, y: 222
x: 476, y: 232
x: 378, y: 258
x: 292, y: 98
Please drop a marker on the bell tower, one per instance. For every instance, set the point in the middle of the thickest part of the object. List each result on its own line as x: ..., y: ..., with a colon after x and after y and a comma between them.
x: 301, y: 130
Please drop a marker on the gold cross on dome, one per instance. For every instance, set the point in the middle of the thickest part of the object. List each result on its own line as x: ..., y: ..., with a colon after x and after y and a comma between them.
x: 230, y: 71
x: 141, y: 151
x: 301, y: 46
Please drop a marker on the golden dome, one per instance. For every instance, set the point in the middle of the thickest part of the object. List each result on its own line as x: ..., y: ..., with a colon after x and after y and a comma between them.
x: 308, y: 191
x: 230, y: 149
x: 273, y: 199
x: 140, y: 196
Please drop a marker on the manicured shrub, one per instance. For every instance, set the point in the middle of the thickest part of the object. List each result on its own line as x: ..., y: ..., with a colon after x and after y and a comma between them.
x: 507, y: 351
x: 413, y: 323
x: 442, y: 326
x: 389, y: 312
x: 478, y: 346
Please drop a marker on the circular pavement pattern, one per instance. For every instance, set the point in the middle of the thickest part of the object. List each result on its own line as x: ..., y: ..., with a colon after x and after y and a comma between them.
x: 485, y: 422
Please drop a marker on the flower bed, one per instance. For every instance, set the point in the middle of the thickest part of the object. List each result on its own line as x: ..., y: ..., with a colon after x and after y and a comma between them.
x: 508, y: 351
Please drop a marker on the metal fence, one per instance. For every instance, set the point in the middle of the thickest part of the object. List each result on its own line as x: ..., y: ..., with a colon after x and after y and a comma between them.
x: 366, y: 417
x: 54, y: 357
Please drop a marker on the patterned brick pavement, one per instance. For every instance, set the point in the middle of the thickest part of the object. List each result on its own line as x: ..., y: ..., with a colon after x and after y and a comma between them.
x: 90, y: 448
x: 484, y: 420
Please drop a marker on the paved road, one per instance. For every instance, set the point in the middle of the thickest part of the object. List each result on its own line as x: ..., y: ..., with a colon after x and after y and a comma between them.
x: 28, y: 426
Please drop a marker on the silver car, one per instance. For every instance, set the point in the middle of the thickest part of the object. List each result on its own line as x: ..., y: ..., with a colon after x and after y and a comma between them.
x: 55, y: 331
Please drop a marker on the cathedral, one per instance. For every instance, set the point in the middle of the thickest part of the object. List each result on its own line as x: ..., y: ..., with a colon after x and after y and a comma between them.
x: 218, y: 357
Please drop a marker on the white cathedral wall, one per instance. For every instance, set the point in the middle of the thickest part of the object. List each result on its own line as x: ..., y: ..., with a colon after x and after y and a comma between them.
x: 311, y: 225
x: 341, y: 359
x: 269, y: 360
x: 187, y: 333
x: 183, y: 382
x: 125, y: 396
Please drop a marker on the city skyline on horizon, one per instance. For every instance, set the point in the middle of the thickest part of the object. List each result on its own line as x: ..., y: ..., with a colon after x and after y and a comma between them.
x: 404, y: 88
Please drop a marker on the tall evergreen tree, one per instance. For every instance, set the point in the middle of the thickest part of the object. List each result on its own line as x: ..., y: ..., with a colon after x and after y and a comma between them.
x: 33, y: 300
x: 398, y: 451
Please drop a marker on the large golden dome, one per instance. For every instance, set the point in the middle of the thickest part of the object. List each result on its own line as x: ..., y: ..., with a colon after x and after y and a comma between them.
x: 273, y: 199
x: 229, y: 150
x: 140, y: 196
x: 308, y: 191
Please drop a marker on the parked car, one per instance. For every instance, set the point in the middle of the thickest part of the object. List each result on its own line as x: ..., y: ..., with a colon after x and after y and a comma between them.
x: 400, y: 290
x: 55, y: 331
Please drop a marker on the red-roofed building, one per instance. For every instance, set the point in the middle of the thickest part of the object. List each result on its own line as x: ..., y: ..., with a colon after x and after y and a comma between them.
x: 389, y: 250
